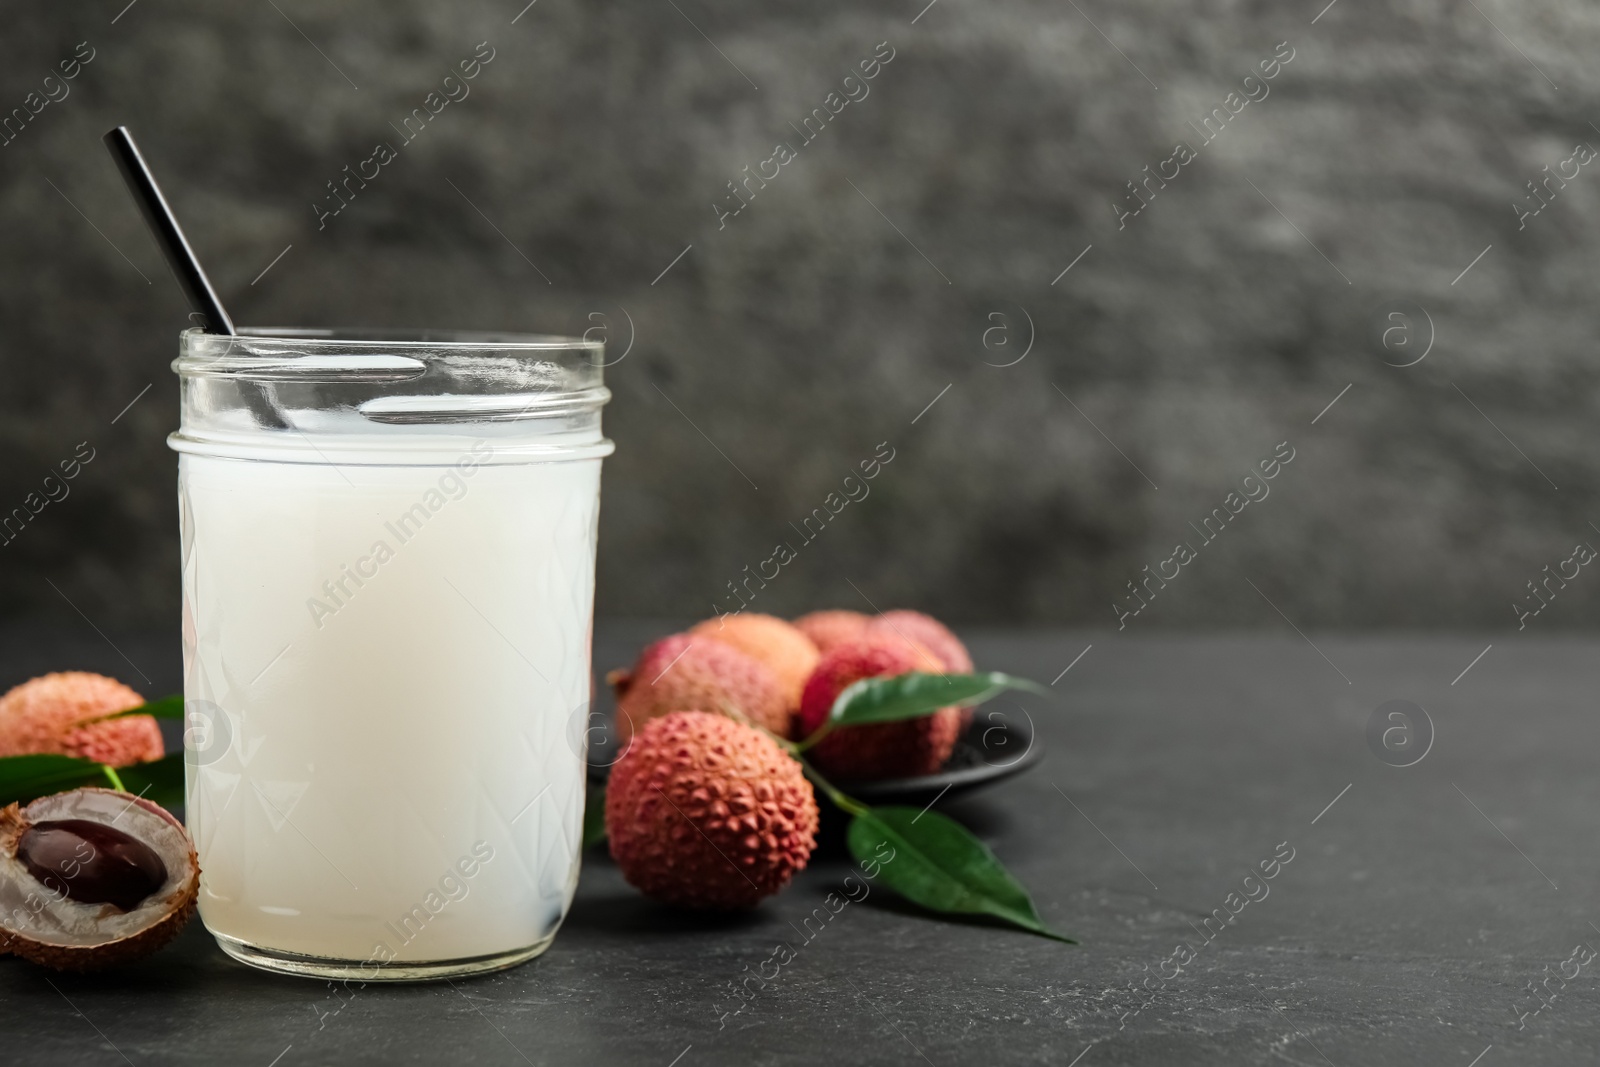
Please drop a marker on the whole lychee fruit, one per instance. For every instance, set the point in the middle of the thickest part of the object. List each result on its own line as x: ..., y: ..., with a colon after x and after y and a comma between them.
x: 900, y: 749
x: 788, y: 653
x: 43, y: 715
x: 933, y: 635
x: 704, y: 812
x: 830, y: 628
x: 685, y: 672
x: 928, y: 632
x: 92, y: 878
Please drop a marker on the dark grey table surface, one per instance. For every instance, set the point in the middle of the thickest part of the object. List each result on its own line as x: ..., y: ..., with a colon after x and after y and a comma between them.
x: 1406, y: 929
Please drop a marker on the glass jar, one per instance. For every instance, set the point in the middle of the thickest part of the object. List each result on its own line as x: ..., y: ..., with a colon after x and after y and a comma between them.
x: 388, y: 579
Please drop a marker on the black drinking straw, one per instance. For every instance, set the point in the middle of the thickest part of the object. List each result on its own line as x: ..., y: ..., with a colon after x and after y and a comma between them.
x: 206, y: 309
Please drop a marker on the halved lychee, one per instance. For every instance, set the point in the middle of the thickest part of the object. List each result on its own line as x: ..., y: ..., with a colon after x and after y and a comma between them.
x: 93, y: 878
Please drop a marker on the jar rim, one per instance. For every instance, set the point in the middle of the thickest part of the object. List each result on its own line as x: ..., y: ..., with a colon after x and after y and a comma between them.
x: 368, y: 394
x: 275, y: 340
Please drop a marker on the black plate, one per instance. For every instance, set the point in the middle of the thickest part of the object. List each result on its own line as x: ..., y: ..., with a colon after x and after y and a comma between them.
x: 999, y: 743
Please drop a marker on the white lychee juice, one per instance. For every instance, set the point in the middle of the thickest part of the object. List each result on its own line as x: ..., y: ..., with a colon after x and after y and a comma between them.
x: 387, y: 677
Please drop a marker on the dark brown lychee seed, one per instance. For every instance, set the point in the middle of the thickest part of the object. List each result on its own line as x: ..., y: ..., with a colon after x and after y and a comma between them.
x: 91, y: 862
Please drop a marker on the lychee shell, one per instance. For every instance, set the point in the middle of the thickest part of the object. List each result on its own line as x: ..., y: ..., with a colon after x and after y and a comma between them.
x: 704, y: 812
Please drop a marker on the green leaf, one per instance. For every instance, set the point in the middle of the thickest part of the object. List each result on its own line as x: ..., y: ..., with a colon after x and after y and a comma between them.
x: 168, y: 707
x: 907, y: 696
x: 938, y: 863
x: 594, y: 817
x: 159, y: 780
x: 25, y: 778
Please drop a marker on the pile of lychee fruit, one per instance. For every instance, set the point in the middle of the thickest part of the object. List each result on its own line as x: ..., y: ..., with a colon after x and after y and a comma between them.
x: 708, y: 806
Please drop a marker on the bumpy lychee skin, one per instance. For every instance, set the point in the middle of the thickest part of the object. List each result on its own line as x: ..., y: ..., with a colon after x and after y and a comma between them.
x: 704, y: 812
x: 901, y: 749
x: 42, y: 715
x: 928, y: 632
x: 787, y: 652
x: 688, y: 672
x: 829, y: 629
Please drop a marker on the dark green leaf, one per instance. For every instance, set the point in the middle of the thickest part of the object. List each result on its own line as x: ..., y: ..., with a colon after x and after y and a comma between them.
x: 938, y: 863
x: 160, y: 780
x: 594, y: 817
x: 25, y: 778
x: 907, y: 696
x: 168, y: 707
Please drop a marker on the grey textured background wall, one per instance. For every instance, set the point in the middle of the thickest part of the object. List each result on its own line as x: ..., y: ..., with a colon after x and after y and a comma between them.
x: 903, y: 255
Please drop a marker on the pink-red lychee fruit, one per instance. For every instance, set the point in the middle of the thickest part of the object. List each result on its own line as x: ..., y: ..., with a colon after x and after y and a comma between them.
x: 900, y: 749
x: 928, y: 632
x: 53, y: 713
x: 828, y: 629
x: 704, y: 812
x: 933, y: 635
x: 787, y: 653
x: 687, y: 672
